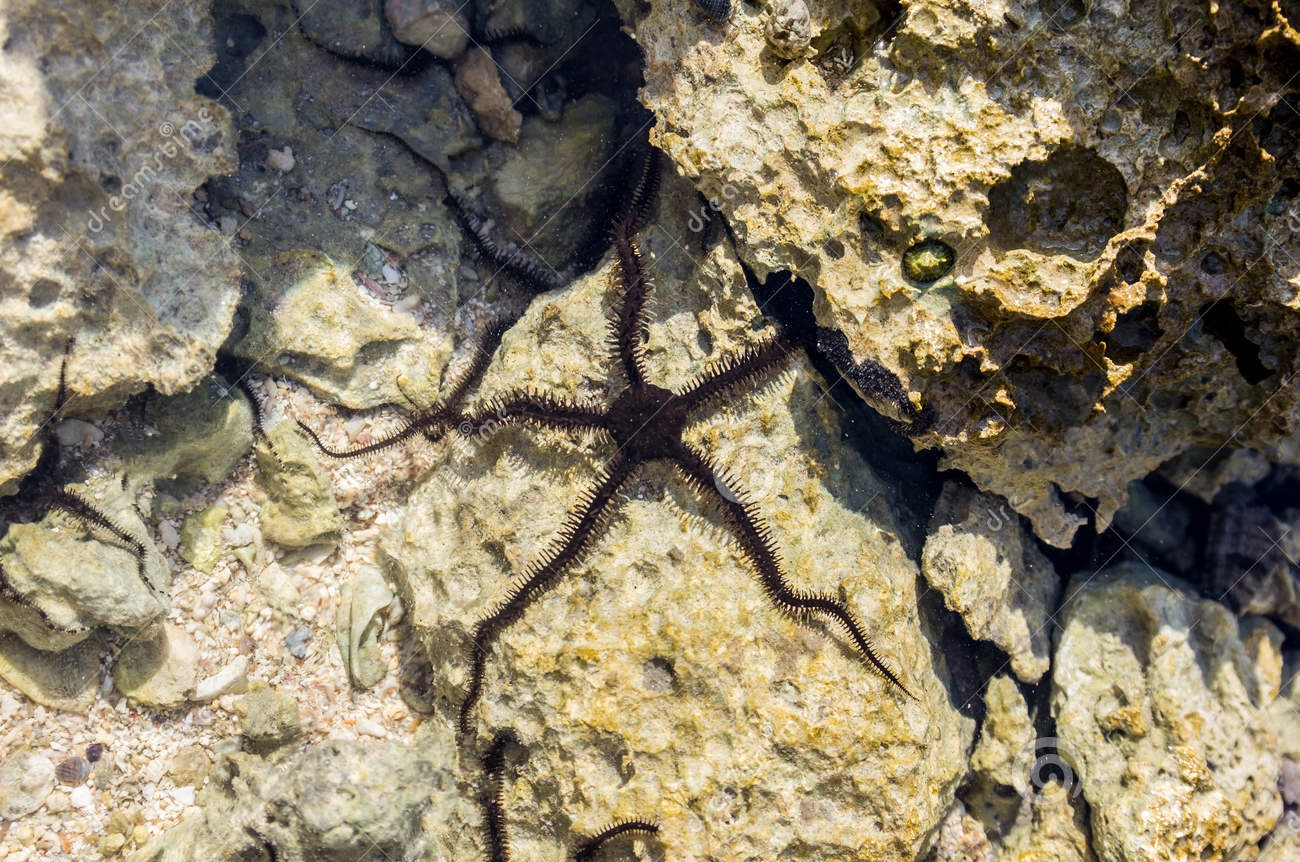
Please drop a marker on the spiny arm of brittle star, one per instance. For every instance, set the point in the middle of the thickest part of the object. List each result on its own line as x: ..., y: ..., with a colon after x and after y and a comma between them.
x: 580, y: 527
x: 732, y: 372
x: 532, y: 408
x: 79, y: 507
x: 588, y: 849
x: 494, y: 809
x: 757, y: 544
x: 628, y: 317
x: 432, y: 425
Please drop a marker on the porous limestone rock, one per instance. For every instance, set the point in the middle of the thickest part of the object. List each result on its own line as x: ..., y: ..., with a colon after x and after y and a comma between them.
x: 1002, y: 764
x: 335, y: 801
x: 1126, y: 280
x: 656, y: 679
x: 158, y: 671
x: 100, y: 254
x: 201, y: 544
x: 1161, y: 700
x: 979, y: 556
x: 65, y: 578
x: 299, y: 508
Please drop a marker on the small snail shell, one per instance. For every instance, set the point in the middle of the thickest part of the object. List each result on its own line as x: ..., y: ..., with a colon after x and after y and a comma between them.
x: 717, y: 9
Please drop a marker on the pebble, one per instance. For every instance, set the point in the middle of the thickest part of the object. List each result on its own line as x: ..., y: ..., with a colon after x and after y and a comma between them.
x: 171, y: 537
x: 297, y: 640
x: 82, y: 797
x: 183, y: 795
x: 26, y: 779
x: 76, y: 432
x: 280, y: 160
x: 367, y: 727
x: 231, y: 679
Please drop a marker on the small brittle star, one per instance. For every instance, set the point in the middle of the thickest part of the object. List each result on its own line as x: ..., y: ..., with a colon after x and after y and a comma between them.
x: 646, y: 423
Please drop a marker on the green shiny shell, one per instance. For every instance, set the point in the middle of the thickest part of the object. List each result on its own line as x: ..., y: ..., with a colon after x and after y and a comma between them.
x: 928, y: 261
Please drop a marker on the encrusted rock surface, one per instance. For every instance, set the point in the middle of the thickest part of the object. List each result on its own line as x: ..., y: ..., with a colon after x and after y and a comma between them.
x: 1160, y: 699
x: 66, y: 579
x: 105, y: 145
x: 990, y: 571
x: 1118, y: 185
x: 334, y: 802
x: 299, y: 508
x: 657, y: 679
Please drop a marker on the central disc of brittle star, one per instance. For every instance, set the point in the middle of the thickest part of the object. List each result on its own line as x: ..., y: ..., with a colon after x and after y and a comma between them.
x: 646, y: 422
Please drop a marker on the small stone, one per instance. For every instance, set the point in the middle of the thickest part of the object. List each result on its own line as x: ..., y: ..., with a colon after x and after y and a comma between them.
x: 26, y: 779
x: 268, y: 719
x: 161, y: 671
x: 171, y: 537
x: 436, y: 26
x: 77, y: 432
x: 111, y: 844
x: 190, y: 766
x: 296, y: 641
x: 480, y: 86
x: 82, y: 797
x: 200, y: 541
x: 232, y: 679
x: 183, y: 795
x: 280, y: 160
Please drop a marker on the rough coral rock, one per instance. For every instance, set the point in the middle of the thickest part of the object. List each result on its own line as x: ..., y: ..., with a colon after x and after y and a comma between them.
x: 99, y: 249
x: 990, y: 571
x: 1160, y: 699
x: 1118, y: 186
x: 657, y: 678
x: 65, y: 578
x: 299, y: 507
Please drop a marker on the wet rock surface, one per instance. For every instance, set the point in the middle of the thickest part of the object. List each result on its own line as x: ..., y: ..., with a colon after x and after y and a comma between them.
x: 1161, y: 701
x: 100, y: 251
x: 1125, y: 275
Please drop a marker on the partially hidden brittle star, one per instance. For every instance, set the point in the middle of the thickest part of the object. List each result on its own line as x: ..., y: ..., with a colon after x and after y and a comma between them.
x: 645, y: 422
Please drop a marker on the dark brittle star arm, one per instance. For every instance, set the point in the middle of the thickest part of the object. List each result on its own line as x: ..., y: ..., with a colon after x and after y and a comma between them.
x: 570, y: 546
x: 728, y: 374
x: 532, y: 408
x: 755, y: 540
x: 434, y: 421
x: 628, y: 318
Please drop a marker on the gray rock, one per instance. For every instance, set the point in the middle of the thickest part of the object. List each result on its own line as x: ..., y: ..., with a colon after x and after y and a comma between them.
x: 158, y: 671
x: 26, y: 779
x: 202, y: 433
x: 989, y: 570
x: 268, y: 719
x: 359, y: 621
x: 69, y: 578
x: 105, y: 162
x: 333, y: 802
x: 299, y: 509
x: 67, y: 679
x: 1160, y: 700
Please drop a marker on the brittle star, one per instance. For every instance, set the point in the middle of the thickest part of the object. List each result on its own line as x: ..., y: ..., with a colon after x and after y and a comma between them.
x: 646, y: 423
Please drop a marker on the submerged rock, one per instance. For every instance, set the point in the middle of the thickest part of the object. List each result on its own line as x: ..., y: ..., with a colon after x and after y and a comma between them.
x: 299, y: 509
x: 991, y: 572
x: 99, y: 251
x: 1079, y: 340
x: 1161, y: 699
x: 158, y: 671
x: 65, y: 579
x: 335, y: 801
x: 657, y: 679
